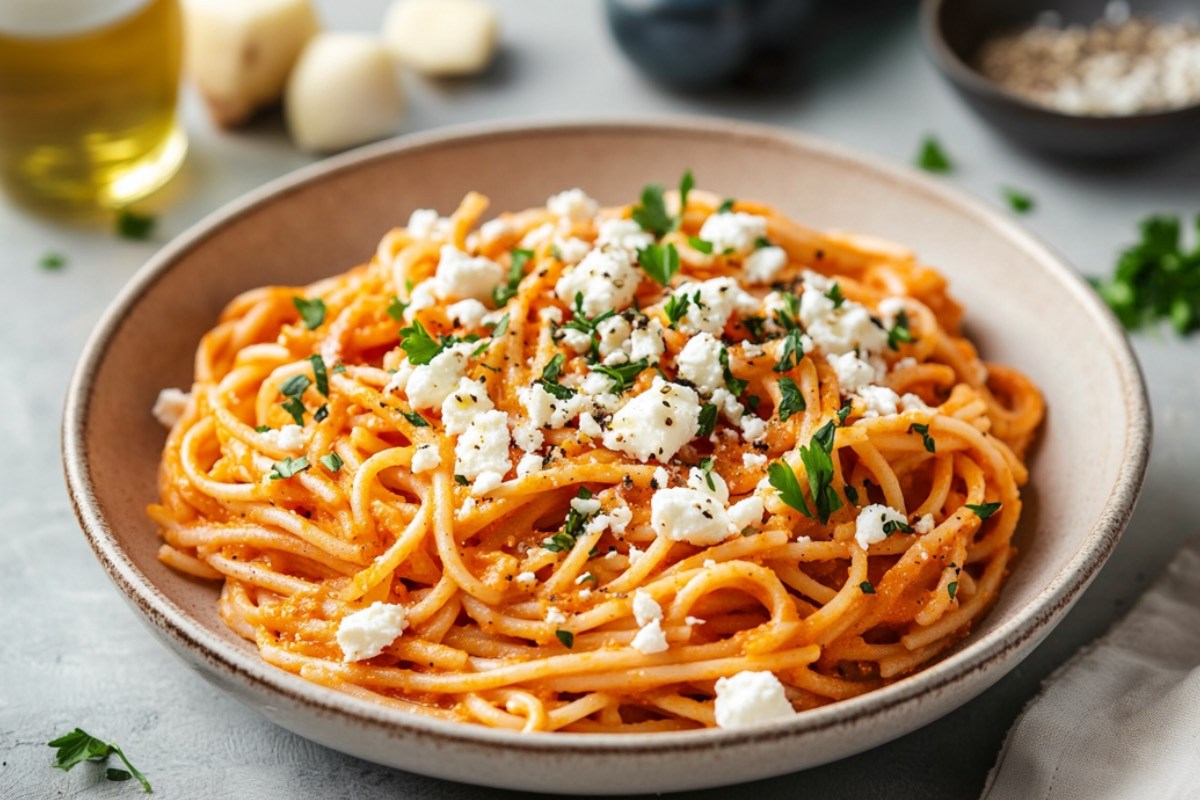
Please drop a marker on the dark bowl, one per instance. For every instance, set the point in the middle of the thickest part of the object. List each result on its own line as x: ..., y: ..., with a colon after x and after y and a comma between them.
x: 953, y: 31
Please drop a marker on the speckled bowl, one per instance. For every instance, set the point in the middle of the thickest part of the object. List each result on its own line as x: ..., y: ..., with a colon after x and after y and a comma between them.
x: 1024, y: 307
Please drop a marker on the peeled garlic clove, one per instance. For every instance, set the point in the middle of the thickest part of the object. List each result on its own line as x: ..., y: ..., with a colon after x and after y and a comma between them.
x: 344, y: 91
x: 239, y: 52
x: 441, y: 37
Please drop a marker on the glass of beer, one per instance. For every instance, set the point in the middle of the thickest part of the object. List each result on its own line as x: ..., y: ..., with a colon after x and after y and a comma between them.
x: 87, y: 100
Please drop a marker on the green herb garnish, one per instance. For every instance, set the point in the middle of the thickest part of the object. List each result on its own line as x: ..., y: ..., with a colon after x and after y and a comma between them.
x: 726, y: 205
x: 793, y: 350
x: 952, y: 589
x: 52, y: 261
x: 792, y: 400
x: 866, y: 587
x: 676, y: 308
x: 734, y: 384
x: 418, y: 345
x: 932, y: 158
x: 922, y: 429
x: 700, y: 245
x: 332, y: 462
x: 835, y: 294
x: 319, y: 373
x: 622, y: 375
x: 461, y: 480
x: 132, y: 225
x: 900, y: 331
x: 660, y: 263
x: 79, y: 746
x: 516, y: 272
x: 708, y: 420
x: 566, y: 637
x: 652, y: 214
x: 500, y: 327
x: 311, y: 311
x: 564, y: 540
x: 395, y: 308
x: 1156, y: 279
x: 1018, y: 201
x: 984, y: 510
x: 416, y: 419
x: 817, y: 457
x: 894, y: 525
x: 288, y: 467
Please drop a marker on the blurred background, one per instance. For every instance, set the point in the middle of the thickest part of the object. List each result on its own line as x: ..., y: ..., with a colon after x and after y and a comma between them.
x: 875, y: 75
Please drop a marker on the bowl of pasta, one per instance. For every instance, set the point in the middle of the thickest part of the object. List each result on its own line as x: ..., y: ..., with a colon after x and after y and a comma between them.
x: 603, y: 456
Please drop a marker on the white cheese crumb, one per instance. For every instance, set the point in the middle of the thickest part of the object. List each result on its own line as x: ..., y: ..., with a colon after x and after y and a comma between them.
x: 426, y: 458
x: 430, y: 384
x: 709, y: 563
x: 700, y: 362
x: 494, y: 230
x: 924, y: 525
x: 734, y: 231
x: 605, y: 280
x: 422, y: 296
x: 689, y: 515
x: 585, y: 507
x: 366, y: 633
x: 483, y: 446
x: 690, y: 620
x: 589, y: 426
x: 656, y: 423
x: 554, y: 616
x: 169, y: 407
x: 573, y: 204
x: 749, y: 698
x: 661, y: 477
x: 529, y: 464
x: 880, y: 401
x: 463, y: 276
x: 486, y: 482
x: 467, y: 313
x: 645, y: 608
x: 623, y: 234
x: 571, y: 250
x: 868, y: 528
x: 753, y: 429
x: 289, y: 437
x: 619, y: 517
x: 718, y: 298
x: 468, y: 400
x: 634, y: 554
x: 751, y: 460
x: 527, y: 436
x: 526, y: 578
x: 698, y: 479
x: 650, y: 639
x: 853, y: 373
x: 426, y: 223
x: 765, y: 264
x: 746, y: 513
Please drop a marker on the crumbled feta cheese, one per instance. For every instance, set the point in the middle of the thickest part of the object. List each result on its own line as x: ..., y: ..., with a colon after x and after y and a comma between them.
x: 709, y: 563
x: 623, y: 234
x: 468, y: 507
x: 764, y: 264
x: 924, y: 525
x: 733, y: 231
x: 463, y: 276
x: 399, y: 380
x: 753, y: 428
x: 547, y: 411
x: 426, y: 458
x: 645, y: 607
x: 483, y: 446
x: 752, y: 460
x: 689, y: 515
x: 853, y: 373
x: 169, y: 407
x: 698, y: 479
x: 880, y: 401
x: 527, y: 437
x: 913, y: 402
x: 727, y: 403
x: 467, y: 313
x: 573, y: 204
x: 839, y: 329
x: 613, y: 334
x: 430, y: 384
x: 486, y: 482
x: 289, y: 437
x: 422, y: 296
x: 662, y: 478
x: 605, y: 280
x: 584, y: 594
x: 650, y: 639
x: 589, y: 426
x: 552, y: 314
x: 718, y: 298
x: 586, y: 507
x: 526, y: 578
x: 619, y: 517
x: 538, y: 236
x: 554, y: 616
x: 700, y: 363
x: 905, y: 363
x: 468, y: 399
x: 425, y: 223
x: 571, y: 250
x: 646, y: 341
x: 655, y: 423
x: 634, y: 554
x: 749, y: 698
x: 868, y: 528
x: 529, y: 464
x: 746, y: 514
x: 690, y: 620
x: 578, y: 341
x: 494, y: 230
x: 366, y: 633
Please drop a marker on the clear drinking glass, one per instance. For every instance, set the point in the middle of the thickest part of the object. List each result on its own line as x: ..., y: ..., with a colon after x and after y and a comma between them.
x: 87, y: 100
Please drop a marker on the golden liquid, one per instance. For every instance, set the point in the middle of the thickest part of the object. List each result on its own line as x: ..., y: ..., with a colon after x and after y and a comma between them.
x: 87, y: 118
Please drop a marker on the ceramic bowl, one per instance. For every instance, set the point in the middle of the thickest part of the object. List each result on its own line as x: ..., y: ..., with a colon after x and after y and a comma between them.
x: 954, y: 30
x: 1025, y: 307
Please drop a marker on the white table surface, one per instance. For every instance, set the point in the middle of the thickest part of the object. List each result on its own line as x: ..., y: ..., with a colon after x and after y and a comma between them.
x: 73, y: 654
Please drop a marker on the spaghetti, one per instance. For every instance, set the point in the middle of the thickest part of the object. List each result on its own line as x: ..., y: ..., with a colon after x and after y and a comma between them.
x: 647, y: 468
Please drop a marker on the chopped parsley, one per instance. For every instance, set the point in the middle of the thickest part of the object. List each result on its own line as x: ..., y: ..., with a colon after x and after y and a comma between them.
x: 726, y: 205
x: 894, y: 525
x: 792, y: 400
x: 416, y: 419
x: 395, y: 308
x: 706, y: 469
x: 851, y: 494
x: 786, y: 317
x: 319, y: 373
x: 516, y: 272
x: 566, y: 637
x: 293, y: 389
x: 1018, y: 201
x: 793, y: 350
x: 564, y: 540
x: 52, y: 261
x: 262, y: 428
x: 132, y: 225
x: 708, y: 420
x: 952, y: 589
x: 549, y: 379
x: 501, y: 326
x: 676, y: 308
x: 900, y: 331
x: 311, y: 311
x: 622, y: 375
x: 1156, y: 279
x: 580, y: 322
x: 923, y: 429
x: 817, y: 457
x: 866, y: 587
x: 332, y: 462
x: 321, y: 413
x: 932, y: 158
x: 288, y: 467
x: 660, y: 263
x: 338, y: 369
x: 700, y: 246
x: 754, y: 328
x: 79, y: 746
x: 984, y: 510
x: 418, y: 345
x: 844, y: 412
x: 835, y: 294
x: 652, y: 214
x: 734, y: 384
x: 461, y: 480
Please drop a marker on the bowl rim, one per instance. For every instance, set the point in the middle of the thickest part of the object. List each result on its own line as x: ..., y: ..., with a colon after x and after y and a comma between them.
x: 960, y: 72
x: 246, y: 667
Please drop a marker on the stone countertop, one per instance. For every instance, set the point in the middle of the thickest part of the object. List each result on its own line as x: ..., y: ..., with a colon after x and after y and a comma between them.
x: 75, y: 654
